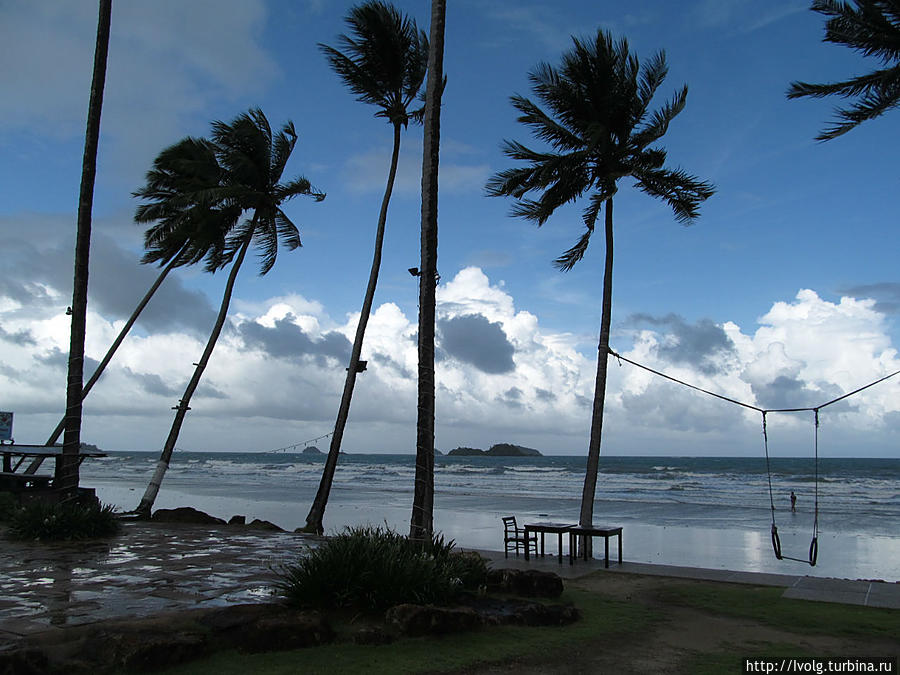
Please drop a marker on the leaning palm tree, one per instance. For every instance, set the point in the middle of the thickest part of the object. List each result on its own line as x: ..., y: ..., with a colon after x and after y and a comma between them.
x: 421, y: 525
x: 383, y: 63
x: 178, y: 236
x: 871, y: 27
x: 66, y: 473
x: 600, y: 130
x: 250, y: 161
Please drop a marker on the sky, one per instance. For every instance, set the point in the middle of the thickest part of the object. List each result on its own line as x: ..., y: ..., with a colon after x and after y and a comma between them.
x: 783, y: 293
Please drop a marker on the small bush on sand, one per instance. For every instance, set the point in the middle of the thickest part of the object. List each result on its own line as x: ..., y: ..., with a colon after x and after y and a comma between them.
x: 376, y: 568
x: 63, y: 521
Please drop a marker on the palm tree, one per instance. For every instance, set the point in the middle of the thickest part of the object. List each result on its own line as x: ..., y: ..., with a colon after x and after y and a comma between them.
x: 871, y: 27
x: 422, y: 520
x: 174, y: 240
x: 600, y: 131
x: 250, y: 161
x: 66, y: 473
x: 384, y: 64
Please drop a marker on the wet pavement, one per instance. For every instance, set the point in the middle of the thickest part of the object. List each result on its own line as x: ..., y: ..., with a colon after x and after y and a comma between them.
x: 160, y: 567
x: 149, y: 568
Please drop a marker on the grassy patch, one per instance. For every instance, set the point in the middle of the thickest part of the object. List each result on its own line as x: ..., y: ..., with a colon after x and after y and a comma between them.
x: 602, y: 619
x: 765, y: 605
x: 732, y: 660
x: 375, y: 568
x: 63, y: 522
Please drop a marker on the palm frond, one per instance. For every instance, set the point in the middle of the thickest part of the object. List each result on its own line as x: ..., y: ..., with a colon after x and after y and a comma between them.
x: 683, y: 192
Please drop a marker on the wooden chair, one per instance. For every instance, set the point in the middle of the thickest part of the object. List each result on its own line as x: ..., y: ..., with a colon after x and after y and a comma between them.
x: 514, y: 537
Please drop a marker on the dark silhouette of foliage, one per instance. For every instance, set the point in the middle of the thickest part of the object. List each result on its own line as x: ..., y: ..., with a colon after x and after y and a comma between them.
x: 872, y: 28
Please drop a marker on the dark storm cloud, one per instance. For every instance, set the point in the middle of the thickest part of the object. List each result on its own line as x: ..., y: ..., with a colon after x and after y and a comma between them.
x: 512, y: 397
x: 474, y: 340
x: 56, y: 358
x: 287, y: 340
x: 788, y: 392
x: 152, y: 383
x: 117, y: 282
x: 886, y: 295
x: 20, y: 337
x: 697, y: 344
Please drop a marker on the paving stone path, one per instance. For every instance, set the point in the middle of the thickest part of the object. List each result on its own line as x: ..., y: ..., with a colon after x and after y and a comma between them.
x: 149, y: 568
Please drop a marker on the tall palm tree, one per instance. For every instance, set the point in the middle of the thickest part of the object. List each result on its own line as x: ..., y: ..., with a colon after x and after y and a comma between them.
x: 600, y: 131
x: 66, y: 473
x: 422, y: 520
x: 871, y: 27
x: 250, y: 161
x: 177, y: 238
x: 384, y: 64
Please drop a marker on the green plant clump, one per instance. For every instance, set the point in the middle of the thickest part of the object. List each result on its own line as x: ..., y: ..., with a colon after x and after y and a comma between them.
x: 64, y: 521
x: 8, y: 506
x: 376, y: 568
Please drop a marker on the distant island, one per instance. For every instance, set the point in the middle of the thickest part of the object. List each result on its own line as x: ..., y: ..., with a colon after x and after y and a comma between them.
x: 312, y: 450
x: 498, y: 450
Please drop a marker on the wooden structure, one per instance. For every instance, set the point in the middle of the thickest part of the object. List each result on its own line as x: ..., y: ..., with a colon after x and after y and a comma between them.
x: 548, y: 528
x: 594, y: 531
x: 514, y: 538
x: 27, y: 484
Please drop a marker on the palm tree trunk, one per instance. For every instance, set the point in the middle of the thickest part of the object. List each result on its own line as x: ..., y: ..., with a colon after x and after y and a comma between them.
x: 317, y: 511
x: 110, y: 353
x: 422, y: 520
x: 66, y: 473
x: 184, y: 404
x: 593, y: 461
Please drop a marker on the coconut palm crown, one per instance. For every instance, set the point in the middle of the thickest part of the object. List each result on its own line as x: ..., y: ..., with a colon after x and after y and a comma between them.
x: 872, y: 28
x: 597, y: 123
x: 383, y: 61
x: 600, y: 129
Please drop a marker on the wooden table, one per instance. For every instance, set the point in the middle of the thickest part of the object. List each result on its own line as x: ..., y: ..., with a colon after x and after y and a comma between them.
x: 553, y: 528
x: 594, y: 531
x: 13, y: 480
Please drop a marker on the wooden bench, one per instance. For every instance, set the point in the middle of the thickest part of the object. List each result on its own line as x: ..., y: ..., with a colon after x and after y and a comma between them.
x: 15, y: 482
x: 594, y: 531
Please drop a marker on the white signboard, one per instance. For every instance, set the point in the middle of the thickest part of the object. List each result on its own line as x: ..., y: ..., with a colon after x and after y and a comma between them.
x: 6, y: 419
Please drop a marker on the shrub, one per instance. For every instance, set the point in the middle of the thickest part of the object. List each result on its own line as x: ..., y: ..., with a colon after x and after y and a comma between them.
x: 63, y: 521
x: 376, y: 568
x: 8, y: 506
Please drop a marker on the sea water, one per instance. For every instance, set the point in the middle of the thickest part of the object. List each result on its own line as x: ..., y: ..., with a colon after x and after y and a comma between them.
x: 699, y: 511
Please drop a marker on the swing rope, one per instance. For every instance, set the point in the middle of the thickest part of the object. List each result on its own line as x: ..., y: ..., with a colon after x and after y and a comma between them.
x: 776, y: 541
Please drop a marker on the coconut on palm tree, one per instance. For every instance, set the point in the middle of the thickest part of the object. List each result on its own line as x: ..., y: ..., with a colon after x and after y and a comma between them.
x: 597, y: 122
x: 872, y: 28
x: 383, y: 62
x: 244, y: 162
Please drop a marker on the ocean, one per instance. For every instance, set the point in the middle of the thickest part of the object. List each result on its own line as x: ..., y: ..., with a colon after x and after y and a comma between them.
x: 700, y: 511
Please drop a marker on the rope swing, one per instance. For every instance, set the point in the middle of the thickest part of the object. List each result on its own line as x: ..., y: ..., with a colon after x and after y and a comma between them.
x: 776, y: 541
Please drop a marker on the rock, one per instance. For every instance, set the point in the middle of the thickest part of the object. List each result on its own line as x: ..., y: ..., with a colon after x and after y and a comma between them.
x: 26, y: 661
x: 501, y: 611
x: 259, y: 628
x: 185, y: 514
x: 264, y: 525
x: 372, y: 636
x: 417, y: 620
x: 237, y: 520
x: 529, y: 583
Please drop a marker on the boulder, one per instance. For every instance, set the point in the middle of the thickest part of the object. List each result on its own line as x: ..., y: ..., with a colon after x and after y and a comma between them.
x: 185, y: 514
x: 501, y: 611
x: 417, y: 620
x: 264, y: 627
x: 528, y: 583
x: 257, y: 524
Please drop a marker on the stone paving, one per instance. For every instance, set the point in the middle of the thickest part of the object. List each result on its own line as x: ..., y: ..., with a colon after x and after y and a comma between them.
x: 161, y: 567
x: 150, y: 568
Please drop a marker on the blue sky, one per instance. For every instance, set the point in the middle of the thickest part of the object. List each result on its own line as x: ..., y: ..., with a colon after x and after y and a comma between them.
x: 785, y: 291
